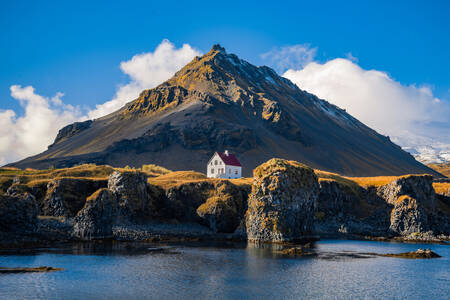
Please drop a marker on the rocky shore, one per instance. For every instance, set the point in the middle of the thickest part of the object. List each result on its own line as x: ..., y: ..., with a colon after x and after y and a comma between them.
x: 286, y: 202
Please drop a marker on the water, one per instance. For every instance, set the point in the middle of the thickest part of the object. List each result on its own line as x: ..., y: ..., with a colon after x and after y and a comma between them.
x: 131, y: 271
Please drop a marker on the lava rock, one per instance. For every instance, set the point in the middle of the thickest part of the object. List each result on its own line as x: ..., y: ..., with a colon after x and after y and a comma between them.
x: 97, y: 217
x: 66, y: 196
x: 18, y: 213
x: 282, y: 203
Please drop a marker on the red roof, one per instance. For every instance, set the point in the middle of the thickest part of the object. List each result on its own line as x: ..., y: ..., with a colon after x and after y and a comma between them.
x: 229, y: 159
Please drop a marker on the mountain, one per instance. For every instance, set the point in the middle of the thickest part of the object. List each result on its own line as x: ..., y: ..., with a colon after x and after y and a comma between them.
x: 219, y: 102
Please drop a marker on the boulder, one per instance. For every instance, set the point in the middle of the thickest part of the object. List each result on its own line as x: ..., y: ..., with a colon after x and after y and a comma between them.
x: 408, y: 217
x: 136, y: 198
x: 66, y: 196
x: 97, y: 217
x: 224, y: 210
x: 282, y: 203
x: 18, y: 213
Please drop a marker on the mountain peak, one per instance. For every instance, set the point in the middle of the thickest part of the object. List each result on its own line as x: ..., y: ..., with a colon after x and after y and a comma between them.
x: 218, y: 47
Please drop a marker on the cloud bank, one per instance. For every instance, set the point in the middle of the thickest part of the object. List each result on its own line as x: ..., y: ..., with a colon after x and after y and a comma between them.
x: 146, y: 71
x: 410, y: 114
x: 32, y: 132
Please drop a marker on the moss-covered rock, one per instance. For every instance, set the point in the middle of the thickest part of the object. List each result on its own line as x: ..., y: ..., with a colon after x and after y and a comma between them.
x: 224, y: 210
x: 282, y: 203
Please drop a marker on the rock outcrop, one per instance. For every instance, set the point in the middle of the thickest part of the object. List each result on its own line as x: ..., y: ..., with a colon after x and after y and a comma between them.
x: 282, y: 203
x: 419, y: 187
x: 408, y: 217
x: 224, y: 210
x: 18, y: 213
x: 66, y: 196
x: 135, y: 197
x: 97, y: 217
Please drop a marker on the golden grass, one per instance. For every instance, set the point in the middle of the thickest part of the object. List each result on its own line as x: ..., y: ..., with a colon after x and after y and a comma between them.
x: 154, y: 169
x: 442, y: 187
x: 176, y: 178
x: 375, y: 181
x: 443, y: 168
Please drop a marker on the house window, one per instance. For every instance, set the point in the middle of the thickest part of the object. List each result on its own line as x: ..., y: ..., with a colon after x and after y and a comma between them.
x: 229, y: 171
x: 215, y: 162
x: 212, y: 171
x: 235, y: 172
x: 220, y: 162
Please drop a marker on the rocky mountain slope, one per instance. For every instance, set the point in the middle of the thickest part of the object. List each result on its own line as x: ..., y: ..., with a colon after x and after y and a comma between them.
x: 218, y: 102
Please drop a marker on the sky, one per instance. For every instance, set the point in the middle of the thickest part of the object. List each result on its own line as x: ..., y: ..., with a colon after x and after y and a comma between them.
x: 385, y: 62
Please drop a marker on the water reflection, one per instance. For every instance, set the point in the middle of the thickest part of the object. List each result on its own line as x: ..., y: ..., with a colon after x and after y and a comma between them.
x: 111, y: 270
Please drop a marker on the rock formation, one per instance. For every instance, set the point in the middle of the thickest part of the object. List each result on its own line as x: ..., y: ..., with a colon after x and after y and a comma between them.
x: 224, y: 210
x: 97, y: 217
x: 66, y: 196
x: 282, y: 203
x: 408, y: 217
x: 18, y: 213
x: 134, y: 195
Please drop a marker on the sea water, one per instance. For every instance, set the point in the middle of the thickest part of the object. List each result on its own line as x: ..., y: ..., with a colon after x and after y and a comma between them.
x: 226, y: 271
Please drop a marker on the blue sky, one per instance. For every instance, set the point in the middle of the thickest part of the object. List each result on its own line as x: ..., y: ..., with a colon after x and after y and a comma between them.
x: 76, y: 47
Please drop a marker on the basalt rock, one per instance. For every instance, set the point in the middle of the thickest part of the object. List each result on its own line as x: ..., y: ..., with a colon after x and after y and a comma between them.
x: 96, y: 219
x: 282, y: 203
x: 136, y: 198
x: 224, y: 210
x: 66, y: 196
x: 408, y: 217
x: 418, y: 187
x: 18, y: 213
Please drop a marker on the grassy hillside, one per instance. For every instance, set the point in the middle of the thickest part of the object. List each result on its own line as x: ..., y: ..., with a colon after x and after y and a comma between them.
x: 443, y: 168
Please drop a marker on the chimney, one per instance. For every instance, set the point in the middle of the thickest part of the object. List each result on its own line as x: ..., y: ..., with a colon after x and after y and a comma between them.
x: 226, y: 152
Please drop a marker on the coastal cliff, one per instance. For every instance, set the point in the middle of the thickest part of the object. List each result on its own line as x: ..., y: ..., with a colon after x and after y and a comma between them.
x: 285, y: 201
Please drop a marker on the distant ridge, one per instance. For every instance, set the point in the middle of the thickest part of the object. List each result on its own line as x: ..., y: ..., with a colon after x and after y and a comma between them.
x: 219, y: 102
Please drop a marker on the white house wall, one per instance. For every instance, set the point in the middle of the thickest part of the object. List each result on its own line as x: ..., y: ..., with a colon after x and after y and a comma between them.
x: 228, y: 171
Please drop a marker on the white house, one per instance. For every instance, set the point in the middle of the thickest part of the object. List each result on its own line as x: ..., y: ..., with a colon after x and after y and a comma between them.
x: 224, y: 165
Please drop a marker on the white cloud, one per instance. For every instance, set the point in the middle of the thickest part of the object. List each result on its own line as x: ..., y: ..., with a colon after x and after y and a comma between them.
x: 21, y: 136
x: 146, y: 71
x: 290, y: 57
x: 408, y: 113
x: 32, y: 132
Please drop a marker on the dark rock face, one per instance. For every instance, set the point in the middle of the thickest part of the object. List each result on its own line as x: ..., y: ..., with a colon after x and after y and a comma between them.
x: 335, y: 200
x: 418, y: 187
x: 133, y: 194
x: 282, y: 204
x: 224, y: 210
x: 97, y: 217
x: 408, y: 217
x: 71, y: 130
x: 350, y: 209
x: 18, y: 213
x: 66, y: 196
x: 182, y: 201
